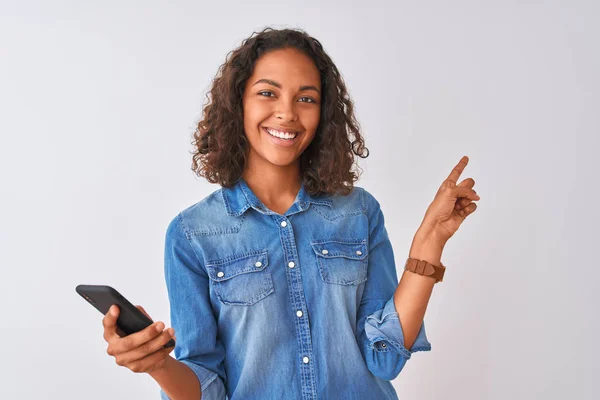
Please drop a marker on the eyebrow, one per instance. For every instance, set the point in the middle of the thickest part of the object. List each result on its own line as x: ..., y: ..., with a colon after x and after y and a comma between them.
x: 278, y: 85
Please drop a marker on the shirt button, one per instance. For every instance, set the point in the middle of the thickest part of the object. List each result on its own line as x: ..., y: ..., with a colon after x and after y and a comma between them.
x: 283, y: 223
x: 325, y: 252
x: 383, y: 345
x: 291, y: 264
x: 220, y: 274
x: 258, y: 264
x: 358, y: 252
x: 299, y: 313
x: 305, y: 360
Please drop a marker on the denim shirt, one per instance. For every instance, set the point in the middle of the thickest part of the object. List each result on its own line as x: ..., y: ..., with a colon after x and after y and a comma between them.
x: 293, y: 306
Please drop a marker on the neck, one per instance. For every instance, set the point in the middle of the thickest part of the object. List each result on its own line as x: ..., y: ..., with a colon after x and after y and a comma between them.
x: 273, y: 185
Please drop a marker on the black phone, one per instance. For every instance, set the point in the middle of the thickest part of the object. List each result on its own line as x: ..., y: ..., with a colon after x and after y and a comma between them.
x: 130, y: 319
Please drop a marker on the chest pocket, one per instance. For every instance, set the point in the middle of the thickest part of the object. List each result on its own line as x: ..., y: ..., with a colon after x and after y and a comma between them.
x: 241, y: 280
x: 342, y: 262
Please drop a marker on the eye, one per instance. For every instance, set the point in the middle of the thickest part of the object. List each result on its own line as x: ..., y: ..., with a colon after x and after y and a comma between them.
x: 266, y: 91
x: 308, y: 99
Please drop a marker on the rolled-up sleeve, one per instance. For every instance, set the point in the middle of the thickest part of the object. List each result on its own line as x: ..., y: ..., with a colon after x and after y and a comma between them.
x: 197, y: 344
x: 379, y: 332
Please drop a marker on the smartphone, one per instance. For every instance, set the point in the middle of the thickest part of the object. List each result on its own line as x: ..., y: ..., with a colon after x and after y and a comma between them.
x: 130, y: 319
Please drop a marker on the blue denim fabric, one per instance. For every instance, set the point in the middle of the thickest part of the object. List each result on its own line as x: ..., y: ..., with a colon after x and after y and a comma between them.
x: 294, y: 306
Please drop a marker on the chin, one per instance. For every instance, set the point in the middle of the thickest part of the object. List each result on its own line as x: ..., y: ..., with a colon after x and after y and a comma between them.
x: 281, y: 161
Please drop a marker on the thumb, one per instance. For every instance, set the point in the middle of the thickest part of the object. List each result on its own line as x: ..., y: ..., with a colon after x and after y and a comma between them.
x: 466, y: 192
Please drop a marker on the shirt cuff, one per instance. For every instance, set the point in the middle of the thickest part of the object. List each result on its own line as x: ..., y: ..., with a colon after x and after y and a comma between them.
x: 384, y: 331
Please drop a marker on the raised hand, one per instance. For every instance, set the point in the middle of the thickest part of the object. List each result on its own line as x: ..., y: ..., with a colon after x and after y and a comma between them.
x: 451, y: 205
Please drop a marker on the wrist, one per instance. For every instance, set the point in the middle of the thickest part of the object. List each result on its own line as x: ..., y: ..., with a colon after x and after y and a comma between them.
x: 427, y: 234
x: 427, y: 246
x: 163, y: 369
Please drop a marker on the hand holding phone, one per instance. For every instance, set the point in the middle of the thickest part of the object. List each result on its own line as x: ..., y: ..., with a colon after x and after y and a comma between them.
x: 143, y: 351
x: 133, y: 338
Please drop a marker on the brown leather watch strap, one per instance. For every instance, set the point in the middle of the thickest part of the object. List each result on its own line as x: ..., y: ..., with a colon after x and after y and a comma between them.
x: 424, y: 268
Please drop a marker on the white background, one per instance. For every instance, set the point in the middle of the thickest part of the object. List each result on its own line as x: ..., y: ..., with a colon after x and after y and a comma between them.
x: 98, y: 103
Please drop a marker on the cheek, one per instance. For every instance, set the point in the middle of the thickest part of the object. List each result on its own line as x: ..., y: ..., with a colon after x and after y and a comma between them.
x: 311, y: 123
x: 311, y: 119
x: 254, y: 114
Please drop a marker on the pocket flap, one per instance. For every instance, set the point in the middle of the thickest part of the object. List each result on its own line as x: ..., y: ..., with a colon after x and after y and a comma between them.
x: 355, y: 250
x: 221, y: 270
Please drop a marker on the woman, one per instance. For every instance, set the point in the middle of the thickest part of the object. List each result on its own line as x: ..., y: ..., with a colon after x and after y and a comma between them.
x: 282, y: 283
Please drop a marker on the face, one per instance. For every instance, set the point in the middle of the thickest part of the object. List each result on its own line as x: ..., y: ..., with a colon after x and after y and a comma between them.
x: 282, y: 107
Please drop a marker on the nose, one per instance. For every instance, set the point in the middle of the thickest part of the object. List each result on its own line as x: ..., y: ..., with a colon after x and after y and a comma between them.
x: 285, y: 111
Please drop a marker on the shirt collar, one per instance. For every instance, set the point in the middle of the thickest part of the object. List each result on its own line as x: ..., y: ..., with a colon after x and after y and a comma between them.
x: 239, y: 198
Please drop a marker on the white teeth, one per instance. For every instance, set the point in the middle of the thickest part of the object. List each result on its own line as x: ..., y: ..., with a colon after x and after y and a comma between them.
x: 282, y: 135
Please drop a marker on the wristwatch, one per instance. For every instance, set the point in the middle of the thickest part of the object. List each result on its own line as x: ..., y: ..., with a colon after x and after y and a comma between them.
x: 424, y: 268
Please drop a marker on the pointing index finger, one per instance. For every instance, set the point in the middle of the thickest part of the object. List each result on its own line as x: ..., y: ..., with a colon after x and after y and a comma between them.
x: 455, y: 174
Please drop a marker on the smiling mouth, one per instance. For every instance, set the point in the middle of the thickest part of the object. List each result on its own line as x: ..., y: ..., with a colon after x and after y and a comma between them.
x: 281, y: 135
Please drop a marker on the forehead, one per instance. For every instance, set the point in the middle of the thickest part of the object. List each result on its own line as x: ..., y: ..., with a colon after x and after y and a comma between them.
x: 288, y: 67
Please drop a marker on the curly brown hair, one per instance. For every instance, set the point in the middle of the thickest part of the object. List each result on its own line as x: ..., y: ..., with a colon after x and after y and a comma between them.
x: 221, y: 146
